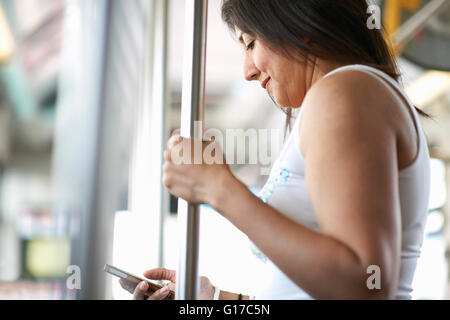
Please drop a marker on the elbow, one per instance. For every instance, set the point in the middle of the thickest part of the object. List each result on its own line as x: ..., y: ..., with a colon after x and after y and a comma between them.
x: 382, y: 286
x: 370, y: 284
x: 379, y: 277
x: 377, y: 288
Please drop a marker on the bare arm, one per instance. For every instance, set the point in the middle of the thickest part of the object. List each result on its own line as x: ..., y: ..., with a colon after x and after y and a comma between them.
x: 351, y: 174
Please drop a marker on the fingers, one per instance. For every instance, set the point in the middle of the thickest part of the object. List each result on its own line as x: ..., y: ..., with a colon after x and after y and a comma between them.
x: 140, y: 291
x: 161, y: 274
x: 167, y: 155
x: 190, y: 143
x: 160, y: 294
x: 172, y: 286
x: 174, y: 140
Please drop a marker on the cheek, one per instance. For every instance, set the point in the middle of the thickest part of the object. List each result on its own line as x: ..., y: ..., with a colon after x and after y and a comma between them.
x: 264, y: 59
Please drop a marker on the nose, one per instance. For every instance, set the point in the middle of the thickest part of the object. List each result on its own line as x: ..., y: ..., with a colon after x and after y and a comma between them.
x: 251, y: 72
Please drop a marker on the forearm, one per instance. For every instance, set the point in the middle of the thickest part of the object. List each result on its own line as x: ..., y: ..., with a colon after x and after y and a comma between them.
x: 324, y: 267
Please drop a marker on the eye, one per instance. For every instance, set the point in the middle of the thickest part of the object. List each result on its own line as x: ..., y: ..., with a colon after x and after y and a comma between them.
x: 251, y: 45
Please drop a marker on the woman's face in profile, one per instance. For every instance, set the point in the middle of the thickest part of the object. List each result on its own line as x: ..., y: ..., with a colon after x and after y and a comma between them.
x: 283, y: 79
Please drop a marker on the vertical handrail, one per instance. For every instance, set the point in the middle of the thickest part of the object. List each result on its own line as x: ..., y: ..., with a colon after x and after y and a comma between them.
x: 193, y: 99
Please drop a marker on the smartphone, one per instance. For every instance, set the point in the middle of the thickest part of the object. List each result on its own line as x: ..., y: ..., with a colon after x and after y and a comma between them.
x: 134, y: 280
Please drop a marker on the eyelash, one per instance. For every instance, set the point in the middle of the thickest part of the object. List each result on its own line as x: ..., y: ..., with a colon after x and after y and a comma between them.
x: 251, y: 45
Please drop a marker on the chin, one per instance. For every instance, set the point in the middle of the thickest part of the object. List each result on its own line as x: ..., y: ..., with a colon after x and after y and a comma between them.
x: 294, y: 105
x: 281, y: 102
x: 286, y: 103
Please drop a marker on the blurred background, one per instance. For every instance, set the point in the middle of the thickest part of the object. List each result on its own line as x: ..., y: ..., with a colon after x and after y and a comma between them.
x: 90, y: 91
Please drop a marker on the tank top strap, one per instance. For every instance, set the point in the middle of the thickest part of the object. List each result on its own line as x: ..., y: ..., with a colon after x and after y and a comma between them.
x: 386, y: 80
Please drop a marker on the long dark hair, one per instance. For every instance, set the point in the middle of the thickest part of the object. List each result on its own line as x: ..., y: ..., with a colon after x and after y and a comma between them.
x: 336, y: 29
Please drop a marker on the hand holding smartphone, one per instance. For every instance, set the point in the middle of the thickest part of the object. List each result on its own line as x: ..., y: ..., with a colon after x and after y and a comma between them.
x: 133, y: 280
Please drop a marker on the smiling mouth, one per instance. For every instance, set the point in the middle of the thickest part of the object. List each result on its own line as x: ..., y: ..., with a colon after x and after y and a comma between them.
x: 264, y: 84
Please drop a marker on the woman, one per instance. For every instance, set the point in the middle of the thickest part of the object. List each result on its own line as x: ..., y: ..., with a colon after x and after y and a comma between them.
x: 347, y: 221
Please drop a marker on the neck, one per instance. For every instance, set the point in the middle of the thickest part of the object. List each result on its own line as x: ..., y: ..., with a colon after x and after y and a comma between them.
x: 318, y: 70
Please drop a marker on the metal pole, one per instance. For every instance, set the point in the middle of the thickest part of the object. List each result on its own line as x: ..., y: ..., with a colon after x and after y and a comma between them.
x: 191, y: 115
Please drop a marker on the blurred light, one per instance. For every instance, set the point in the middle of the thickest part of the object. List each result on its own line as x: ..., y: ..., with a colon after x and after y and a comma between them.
x: 428, y: 87
x: 438, y: 191
x: 6, y: 39
x: 435, y: 223
x: 47, y: 258
x: 430, y: 279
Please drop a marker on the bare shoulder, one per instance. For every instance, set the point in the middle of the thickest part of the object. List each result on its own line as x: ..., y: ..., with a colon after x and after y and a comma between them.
x: 345, y: 104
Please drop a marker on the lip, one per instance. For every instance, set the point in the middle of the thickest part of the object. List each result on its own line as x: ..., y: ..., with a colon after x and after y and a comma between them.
x: 264, y: 83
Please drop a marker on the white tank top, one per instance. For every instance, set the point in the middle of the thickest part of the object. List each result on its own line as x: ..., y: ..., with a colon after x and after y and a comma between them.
x: 286, y: 191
